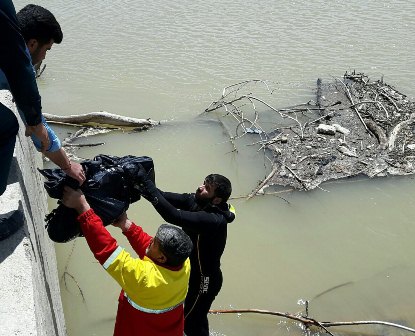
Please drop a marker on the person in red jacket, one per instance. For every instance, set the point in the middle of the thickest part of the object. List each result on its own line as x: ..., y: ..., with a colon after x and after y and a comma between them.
x: 154, y: 286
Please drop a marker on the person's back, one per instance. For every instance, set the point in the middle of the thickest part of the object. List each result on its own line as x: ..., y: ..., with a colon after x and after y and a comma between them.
x: 154, y: 285
x: 151, y: 302
x: 153, y: 292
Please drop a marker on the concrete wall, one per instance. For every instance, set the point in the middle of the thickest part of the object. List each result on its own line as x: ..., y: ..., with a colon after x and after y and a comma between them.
x: 30, y: 300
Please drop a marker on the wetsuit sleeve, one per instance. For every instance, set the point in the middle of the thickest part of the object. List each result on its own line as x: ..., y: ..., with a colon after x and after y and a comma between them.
x: 16, y: 63
x: 179, y: 201
x: 196, y: 221
x: 138, y: 239
x: 99, y: 240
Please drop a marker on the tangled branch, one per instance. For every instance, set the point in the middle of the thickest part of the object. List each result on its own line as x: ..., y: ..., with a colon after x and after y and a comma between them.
x: 324, y: 141
x: 309, y: 321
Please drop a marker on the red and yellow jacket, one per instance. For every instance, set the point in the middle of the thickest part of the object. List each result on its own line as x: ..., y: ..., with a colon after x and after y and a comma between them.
x: 151, y: 302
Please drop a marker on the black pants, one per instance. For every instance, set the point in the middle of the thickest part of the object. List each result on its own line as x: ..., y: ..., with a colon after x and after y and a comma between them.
x: 9, y: 127
x: 202, y: 292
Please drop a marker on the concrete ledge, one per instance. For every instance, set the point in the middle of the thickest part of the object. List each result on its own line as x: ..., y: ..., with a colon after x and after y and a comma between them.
x: 29, y: 284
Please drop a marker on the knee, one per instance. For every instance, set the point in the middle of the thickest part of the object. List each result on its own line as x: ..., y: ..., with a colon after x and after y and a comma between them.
x: 3, y: 187
x: 13, y: 129
x: 9, y: 126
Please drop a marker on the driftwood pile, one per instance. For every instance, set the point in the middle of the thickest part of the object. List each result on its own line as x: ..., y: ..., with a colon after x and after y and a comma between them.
x: 354, y: 127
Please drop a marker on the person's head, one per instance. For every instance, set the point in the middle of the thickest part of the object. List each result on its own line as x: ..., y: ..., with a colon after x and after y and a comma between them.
x: 40, y: 30
x: 215, y: 189
x: 170, y: 246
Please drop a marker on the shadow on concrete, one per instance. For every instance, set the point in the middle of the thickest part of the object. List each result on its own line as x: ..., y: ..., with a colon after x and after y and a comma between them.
x: 8, y: 245
x: 15, y: 172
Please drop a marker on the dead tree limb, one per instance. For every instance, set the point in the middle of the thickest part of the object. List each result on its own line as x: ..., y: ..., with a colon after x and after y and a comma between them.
x: 231, y: 138
x: 383, y: 93
x: 102, y: 118
x: 263, y: 183
x: 372, y: 102
x: 309, y: 321
x: 303, y: 183
x: 348, y: 94
x: 378, y: 132
x: 396, y: 129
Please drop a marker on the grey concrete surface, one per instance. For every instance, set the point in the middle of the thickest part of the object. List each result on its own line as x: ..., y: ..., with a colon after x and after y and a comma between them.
x: 30, y: 300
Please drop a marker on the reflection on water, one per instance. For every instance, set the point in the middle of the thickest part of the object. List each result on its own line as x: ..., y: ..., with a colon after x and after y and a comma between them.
x: 168, y: 61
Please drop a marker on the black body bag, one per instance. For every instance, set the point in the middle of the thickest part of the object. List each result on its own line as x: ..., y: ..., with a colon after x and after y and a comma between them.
x: 110, y: 187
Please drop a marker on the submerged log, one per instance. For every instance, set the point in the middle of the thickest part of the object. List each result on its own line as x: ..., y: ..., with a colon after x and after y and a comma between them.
x: 103, y: 119
x: 396, y: 129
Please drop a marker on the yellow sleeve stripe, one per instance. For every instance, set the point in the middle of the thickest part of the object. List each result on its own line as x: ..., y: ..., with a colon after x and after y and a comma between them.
x: 112, y: 257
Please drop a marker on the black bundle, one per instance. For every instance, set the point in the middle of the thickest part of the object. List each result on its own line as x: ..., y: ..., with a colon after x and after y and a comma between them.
x: 110, y: 187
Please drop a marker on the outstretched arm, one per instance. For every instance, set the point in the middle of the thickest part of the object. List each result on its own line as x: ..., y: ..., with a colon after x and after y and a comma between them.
x: 127, y: 271
x: 56, y: 153
x: 71, y: 168
x: 101, y: 243
x: 138, y: 239
x: 196, y: 221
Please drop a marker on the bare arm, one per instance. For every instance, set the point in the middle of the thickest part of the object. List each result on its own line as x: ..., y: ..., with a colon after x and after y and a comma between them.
x: 73, y: 169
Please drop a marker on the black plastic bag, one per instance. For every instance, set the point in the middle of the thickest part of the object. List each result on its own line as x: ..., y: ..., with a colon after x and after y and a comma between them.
x: 110, y: 187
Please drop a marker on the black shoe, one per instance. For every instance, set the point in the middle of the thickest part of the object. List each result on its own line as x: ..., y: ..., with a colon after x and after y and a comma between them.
x: 10, y: 223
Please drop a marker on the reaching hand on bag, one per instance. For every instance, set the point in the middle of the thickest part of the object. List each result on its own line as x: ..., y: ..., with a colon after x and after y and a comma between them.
x: 141, y: 176
x: 122, y: 222
x: 75, y: 199
x: 75, y: 171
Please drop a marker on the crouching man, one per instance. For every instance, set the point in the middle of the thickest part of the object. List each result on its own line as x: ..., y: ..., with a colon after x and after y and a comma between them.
x: 154, y: 286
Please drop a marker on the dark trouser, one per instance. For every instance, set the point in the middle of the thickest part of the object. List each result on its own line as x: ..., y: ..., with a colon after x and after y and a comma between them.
x: 201, y: 294
x: 8, y: 131
x: 9, y: 127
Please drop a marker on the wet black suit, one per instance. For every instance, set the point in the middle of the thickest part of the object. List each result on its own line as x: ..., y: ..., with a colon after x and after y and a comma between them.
x: 207, y: 227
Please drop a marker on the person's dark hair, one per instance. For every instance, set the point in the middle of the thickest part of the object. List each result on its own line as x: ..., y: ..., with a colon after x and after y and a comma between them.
x: 223, y: 186
x: 174, y: 243
x: 36, y: 22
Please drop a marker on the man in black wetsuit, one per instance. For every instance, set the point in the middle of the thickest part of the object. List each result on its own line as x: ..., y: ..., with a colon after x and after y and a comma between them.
x: 204, y: 216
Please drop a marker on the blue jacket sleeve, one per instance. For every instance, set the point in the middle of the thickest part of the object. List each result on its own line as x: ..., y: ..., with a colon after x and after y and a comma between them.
x: 16, y: 63
x: 55, y: 143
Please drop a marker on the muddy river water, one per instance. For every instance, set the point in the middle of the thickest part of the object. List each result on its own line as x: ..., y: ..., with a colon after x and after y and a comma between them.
x: 348, y: 250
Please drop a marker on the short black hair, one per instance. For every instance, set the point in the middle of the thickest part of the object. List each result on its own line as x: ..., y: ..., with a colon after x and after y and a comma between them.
x: 174, y: 243
x: 36, y: 22
x: 223, y: 186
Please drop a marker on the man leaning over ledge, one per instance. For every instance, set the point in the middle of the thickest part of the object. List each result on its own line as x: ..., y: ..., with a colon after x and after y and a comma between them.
x: 17, y: 75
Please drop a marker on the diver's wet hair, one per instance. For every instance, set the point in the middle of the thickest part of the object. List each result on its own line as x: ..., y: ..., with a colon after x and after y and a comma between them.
x: 223, y: 186
x: 174, y: 243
